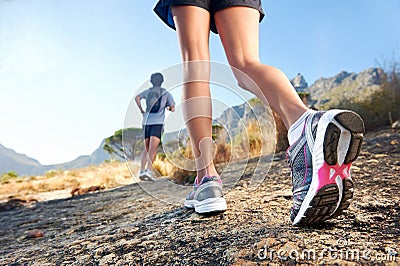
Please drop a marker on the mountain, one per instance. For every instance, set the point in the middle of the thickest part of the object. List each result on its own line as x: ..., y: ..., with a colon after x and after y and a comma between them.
x: 345, y: 85
x: 236, y: 118
x: 233, y: 119
x: 325, y: 92
x: 10, y: 160
x: 235, y: 122
x: 299, y: 83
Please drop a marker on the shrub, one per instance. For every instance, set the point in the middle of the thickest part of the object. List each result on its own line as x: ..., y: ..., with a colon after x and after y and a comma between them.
x: 161, y: 165
x: 8, y: 177
x: 248, y: 143
x: 180, y: 174
x: 52, y: 173
x: 381, y: 108
x: 223, y: 153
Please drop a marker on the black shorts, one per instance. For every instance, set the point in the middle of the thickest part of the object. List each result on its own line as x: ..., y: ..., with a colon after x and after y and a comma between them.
x: 163, y: 9
x: 153, y: 130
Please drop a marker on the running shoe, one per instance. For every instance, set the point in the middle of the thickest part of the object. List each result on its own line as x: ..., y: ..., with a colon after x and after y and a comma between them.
x: 207, y: 197
x: 320, y: 162
x: 146, y: 175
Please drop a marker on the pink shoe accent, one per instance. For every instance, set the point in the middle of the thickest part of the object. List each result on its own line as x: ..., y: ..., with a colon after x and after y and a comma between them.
x: 327, y: 174
x: 305, y: 160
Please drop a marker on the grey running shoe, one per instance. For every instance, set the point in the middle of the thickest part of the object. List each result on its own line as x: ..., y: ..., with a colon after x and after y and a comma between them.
x: 320, y: 164
x: 207, y: 196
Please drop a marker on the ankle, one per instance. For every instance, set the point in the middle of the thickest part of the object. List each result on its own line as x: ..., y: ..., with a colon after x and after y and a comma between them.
x: 202, y: 174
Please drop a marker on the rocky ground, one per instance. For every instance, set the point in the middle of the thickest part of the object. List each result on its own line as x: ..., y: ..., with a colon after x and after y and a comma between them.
x: 128, y: 226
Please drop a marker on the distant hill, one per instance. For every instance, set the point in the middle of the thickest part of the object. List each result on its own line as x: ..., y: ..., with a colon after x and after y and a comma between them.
x: 10, y: 160
x: 233, y: 120
x: 324, y: 93
x: 236, y: 118
x: 330, y: 91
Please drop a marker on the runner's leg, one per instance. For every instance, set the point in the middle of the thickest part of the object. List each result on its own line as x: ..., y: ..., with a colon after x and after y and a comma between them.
x: 193, y: 29
x: 238, y: 28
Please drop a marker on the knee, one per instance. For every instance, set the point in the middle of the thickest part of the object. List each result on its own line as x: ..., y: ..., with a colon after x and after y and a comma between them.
x: 242, y: 70
x: 243, y: 64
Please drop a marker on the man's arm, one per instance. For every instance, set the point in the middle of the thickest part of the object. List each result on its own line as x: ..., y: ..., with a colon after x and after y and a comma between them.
x: 170, y: 103
x: 139, y: 104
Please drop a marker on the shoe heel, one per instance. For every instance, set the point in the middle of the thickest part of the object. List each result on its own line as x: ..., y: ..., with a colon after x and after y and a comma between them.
x: 331, y: 142
x: 352, y: 122
x: 341, y: 123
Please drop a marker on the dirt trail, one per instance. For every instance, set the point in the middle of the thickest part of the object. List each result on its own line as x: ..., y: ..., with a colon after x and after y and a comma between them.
x: 126, y: 226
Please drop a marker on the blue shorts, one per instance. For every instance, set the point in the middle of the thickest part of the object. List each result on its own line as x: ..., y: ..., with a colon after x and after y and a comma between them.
x: 163, y: 10
x: 153, y: 131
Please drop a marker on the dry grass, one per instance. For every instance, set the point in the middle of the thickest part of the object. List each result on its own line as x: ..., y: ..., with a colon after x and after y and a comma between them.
x: 109, y: 175
x: 246, y: 145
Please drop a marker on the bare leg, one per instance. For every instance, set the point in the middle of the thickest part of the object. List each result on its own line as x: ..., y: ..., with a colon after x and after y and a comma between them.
x: 153, y: 145
x: 193, y: 29
x: 238, y: 29
x: 144, y: 156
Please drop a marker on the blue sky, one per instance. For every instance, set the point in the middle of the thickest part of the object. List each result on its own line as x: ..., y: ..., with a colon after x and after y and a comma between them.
x: 69, y: 68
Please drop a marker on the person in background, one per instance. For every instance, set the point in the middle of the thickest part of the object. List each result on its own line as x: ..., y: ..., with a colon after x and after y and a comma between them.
x: 157, y: 100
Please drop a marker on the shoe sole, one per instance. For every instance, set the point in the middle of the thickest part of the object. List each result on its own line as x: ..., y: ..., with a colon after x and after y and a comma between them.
x: 146, y: 178
x: 337, y: 146
x: 206, y: 206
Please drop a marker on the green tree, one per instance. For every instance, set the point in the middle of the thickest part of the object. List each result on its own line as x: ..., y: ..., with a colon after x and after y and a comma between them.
x: 125, y: 143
